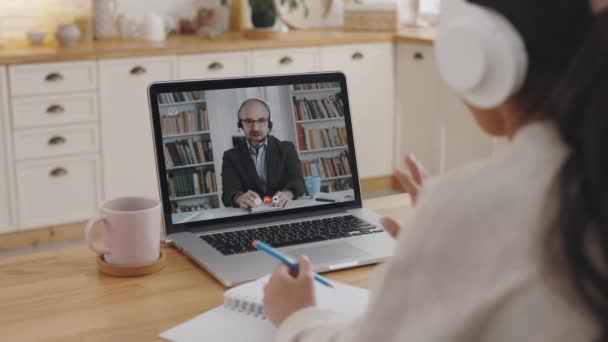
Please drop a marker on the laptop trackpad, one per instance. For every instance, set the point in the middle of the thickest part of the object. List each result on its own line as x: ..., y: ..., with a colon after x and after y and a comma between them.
x: 328, y: 254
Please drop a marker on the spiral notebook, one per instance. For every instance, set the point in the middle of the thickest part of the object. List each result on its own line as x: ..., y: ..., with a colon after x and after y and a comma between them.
x: 242, y: 318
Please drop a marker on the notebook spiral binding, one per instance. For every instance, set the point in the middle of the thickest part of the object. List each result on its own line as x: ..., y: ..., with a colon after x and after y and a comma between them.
x: 245, y: 305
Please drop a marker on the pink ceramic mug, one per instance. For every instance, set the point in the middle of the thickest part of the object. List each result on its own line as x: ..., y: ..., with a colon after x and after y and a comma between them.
x: 131, y: 231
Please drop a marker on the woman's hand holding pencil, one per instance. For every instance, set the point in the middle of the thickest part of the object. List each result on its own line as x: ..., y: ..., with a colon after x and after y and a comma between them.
x: 261, y: 246
x: 288, y: 290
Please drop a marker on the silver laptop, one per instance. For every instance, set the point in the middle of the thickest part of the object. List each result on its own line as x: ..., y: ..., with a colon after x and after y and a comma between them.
x: 269, y: 158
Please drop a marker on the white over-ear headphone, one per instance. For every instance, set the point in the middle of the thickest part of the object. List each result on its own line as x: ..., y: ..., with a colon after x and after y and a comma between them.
x: 480, y: 54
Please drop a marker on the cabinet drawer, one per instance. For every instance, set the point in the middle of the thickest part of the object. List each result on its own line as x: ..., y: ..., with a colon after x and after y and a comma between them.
x: 55, y: 142
x: 213, y: 65
x: 58, y: 191
x: 282, y: 61
x: 353, y: 56
x: 43, y: 111
x: 50, y: 78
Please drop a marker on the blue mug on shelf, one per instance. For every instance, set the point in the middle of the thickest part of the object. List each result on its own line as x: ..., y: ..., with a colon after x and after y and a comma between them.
x: 313, y: 185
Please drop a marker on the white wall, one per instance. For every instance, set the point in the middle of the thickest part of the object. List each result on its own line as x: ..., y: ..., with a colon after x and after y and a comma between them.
x: 137, y: 8
x: 19, y: 16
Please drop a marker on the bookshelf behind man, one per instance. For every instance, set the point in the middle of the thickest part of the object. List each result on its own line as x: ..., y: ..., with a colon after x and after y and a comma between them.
x: 322, y: 140
x: 187, y: 145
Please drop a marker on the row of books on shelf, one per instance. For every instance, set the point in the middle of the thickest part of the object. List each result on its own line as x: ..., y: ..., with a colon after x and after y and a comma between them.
x: 337, y: 185
x: 314, y: 86
x: 182, y: 96
x: 185, y: 122
x: 327, y: 167
x: 191, y: 182
x: 320, y: 138
x: 187, y: 152
x: 325, y: 108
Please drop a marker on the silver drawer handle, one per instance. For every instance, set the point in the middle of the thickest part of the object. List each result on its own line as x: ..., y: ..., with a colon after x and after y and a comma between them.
x: 138, y: 70
x: 58, y: 172
x: 215, y: 66
x: 57, y: 140
x: 55, y: 109
x: 286, y: 60
x: 418, y: 56
x: 53, y: 77
x: 357, y: 56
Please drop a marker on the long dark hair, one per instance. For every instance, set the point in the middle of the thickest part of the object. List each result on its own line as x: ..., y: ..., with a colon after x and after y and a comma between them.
x: 567, y: 83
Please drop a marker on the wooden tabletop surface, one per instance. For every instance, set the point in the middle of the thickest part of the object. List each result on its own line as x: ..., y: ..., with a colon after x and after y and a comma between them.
x: 59, y: 295
x: 23, y: 52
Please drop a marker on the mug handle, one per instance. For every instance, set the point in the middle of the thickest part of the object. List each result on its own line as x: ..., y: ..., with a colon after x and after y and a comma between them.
x: 88, y: 235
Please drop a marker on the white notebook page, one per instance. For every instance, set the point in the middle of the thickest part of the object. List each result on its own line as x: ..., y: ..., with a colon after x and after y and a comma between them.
x: 227, y: 324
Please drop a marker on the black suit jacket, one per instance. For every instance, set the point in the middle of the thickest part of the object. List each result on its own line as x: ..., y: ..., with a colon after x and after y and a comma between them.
x: 283, y: 171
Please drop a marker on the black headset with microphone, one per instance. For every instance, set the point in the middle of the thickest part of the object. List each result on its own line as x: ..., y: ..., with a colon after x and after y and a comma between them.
x: 238, y: 113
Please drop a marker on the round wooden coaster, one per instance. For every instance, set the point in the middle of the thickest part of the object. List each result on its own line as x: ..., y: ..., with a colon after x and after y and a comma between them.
x: 130, y: 271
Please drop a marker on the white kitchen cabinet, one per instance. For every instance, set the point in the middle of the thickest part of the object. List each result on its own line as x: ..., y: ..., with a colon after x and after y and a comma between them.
x: 55, y: 110
x: 44, y: 143
x: 213, y: 65
x: 434, y: 123
x: 370, y: 78
x: 462, y: 139
x: 127, y: 143
x: 56, y: 191
x: 51, y: 78
x: 417, y: 128
x: 7, y: 215
x: 284, y: 61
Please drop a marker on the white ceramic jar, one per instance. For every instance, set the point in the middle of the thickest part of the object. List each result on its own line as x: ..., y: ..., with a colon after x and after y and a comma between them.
x: 153, y: 28
x: 68, y: 34
x: 103, y: 22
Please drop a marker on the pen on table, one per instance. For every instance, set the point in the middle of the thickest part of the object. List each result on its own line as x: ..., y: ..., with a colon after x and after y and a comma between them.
x: 284, y: 259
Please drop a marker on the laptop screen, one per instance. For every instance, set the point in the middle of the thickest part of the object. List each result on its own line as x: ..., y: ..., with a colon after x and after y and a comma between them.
x: 254, y: 150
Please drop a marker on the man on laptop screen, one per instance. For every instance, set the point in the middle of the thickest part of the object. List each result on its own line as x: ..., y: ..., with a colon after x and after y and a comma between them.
x: 283, y: 135
x: 261, y: 166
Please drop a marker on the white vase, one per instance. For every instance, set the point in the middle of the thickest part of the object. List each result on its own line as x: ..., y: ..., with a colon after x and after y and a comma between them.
x: 68, y: 34
x: 104, y: 11
x: 153, y: 28
x: 223, y: 18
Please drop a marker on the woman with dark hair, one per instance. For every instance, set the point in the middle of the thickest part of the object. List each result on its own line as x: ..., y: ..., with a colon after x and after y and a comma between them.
x: 514, y: 248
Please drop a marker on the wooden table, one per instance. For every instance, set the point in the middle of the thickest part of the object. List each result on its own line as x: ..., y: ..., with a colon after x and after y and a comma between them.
x: 59, y: 295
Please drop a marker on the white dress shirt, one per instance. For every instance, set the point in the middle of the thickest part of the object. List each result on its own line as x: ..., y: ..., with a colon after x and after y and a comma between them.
x: 470, y: 262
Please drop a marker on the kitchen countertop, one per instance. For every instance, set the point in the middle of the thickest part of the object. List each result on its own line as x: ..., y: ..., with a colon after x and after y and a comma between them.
x: 22, y: 52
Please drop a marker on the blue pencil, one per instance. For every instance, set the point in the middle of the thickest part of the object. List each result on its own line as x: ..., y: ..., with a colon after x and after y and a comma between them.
x: 284, y: 259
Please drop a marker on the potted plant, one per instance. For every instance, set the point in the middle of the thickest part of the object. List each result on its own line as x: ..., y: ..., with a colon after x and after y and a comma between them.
x: 264, y: 12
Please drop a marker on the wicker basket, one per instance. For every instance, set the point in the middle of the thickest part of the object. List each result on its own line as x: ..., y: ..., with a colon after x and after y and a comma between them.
x: 378, y: 17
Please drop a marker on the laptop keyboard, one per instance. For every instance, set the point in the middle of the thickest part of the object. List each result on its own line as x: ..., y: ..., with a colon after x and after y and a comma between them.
x: 291, y: 234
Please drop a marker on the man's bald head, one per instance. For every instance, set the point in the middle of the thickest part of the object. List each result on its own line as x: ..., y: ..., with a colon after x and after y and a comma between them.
x: 253, y: 105
x: 254, y: 116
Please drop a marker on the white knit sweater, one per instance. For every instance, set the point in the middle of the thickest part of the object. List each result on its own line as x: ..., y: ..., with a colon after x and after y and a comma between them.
x: 469, y: 261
